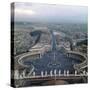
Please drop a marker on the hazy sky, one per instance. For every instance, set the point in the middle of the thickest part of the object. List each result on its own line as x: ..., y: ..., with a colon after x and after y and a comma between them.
x: 50, y: 13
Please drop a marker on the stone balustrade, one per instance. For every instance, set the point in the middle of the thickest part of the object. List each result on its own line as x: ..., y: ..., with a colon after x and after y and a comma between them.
x: 52, y: 73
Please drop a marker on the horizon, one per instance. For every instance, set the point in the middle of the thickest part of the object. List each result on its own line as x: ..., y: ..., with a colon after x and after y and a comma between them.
x: 35, y: 12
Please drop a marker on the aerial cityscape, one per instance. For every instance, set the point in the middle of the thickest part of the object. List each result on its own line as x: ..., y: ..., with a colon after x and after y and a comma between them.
x: 50, y: 44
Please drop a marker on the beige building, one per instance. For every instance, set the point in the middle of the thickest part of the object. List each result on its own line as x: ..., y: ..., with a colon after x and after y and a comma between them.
x: 40, y: 49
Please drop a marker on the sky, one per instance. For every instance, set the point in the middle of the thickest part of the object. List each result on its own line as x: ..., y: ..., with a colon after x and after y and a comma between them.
x: 35, y: 12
